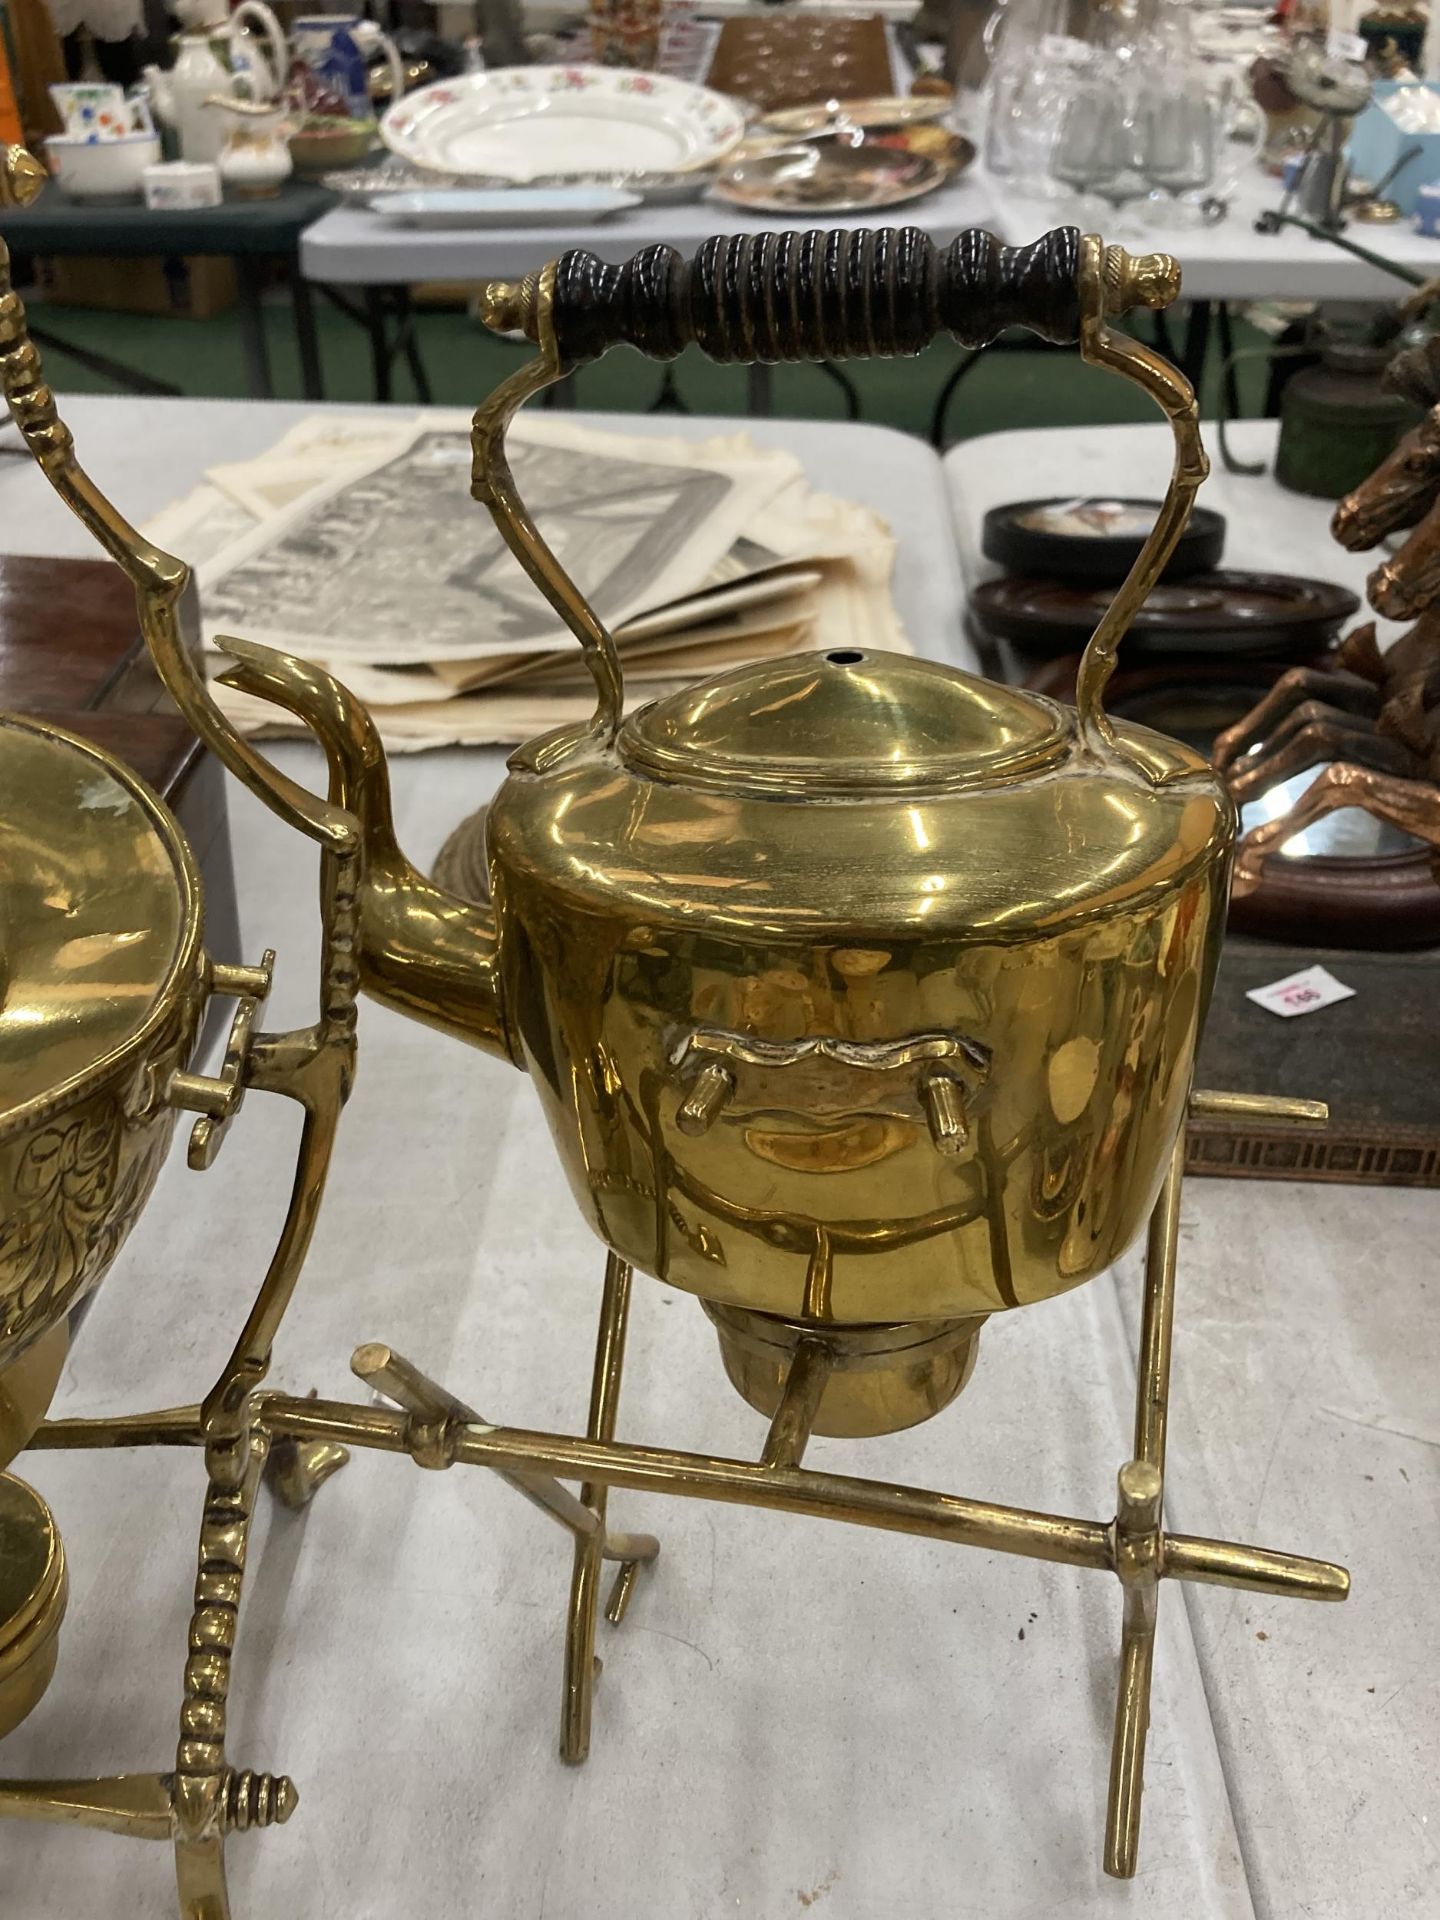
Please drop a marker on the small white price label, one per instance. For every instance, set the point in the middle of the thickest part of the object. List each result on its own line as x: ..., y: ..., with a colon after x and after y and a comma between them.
x: 1346, y: 46
x: 1304, y: 992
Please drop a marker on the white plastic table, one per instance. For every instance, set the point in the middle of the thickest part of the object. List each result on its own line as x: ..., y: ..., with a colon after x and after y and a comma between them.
x: 354, y: 248
x: 794, y: 1718
x: 1268, y: 528
x: 351, y: 246
x: 1230, y: 260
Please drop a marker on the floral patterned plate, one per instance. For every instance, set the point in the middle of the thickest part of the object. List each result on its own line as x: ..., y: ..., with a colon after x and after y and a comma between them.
x: 846, y: 174
x: 517, y: 123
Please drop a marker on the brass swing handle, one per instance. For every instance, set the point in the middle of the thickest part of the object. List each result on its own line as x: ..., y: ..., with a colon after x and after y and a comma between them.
x: 804, y: 296
x: 842, y: 294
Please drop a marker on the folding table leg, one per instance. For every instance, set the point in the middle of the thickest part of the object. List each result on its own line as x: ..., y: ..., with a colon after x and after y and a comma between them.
x: 379, y: 340
x: 407, y: 342
x: 252, y: 329
x: 307, y: 340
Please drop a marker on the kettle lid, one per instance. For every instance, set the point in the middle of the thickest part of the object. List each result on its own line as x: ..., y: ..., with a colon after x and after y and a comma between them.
x: 851, y: 720
x: 102, y: 915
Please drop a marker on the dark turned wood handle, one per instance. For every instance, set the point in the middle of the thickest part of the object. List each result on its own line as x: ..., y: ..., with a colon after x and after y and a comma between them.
x: 840, y: 295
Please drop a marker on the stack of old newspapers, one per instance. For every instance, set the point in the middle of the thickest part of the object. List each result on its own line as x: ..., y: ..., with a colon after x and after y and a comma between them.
x: 355, y: 543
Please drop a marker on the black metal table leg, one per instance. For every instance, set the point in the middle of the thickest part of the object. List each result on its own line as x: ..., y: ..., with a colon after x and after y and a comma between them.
x: 846, y: 385
x: 1226, y: 328
x: 407, y: 342
x: 560, y: 394
x: 668, y: 399
x: 312, y: 379
x: 252, y: 328
x: 947, y: 394
x: 379, y: 341
x: 131, y: 379
x: 1197, y: 342
x: 383, y: 306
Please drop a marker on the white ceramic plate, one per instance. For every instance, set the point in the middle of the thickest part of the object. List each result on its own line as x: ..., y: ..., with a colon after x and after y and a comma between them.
x: 520, y: 122
x: 503, y: 206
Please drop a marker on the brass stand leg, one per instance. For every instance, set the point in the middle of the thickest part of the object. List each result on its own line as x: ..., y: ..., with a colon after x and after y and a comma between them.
x: 794, y: 1418
x: 435, y: 1425
x: 437, y: 1419
x: 296, y: 1470
x: 1137, y: 1529
x: 580, y: 1661
x: 200, y: 1764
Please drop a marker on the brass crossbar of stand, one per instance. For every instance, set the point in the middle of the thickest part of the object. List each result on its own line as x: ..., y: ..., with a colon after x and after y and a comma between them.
x: 389, y: 1373
x: 510, y: 1451
x: 801, y: 1490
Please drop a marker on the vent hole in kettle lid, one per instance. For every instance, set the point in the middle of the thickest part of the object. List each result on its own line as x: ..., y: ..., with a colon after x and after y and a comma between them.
x: 886, y: 722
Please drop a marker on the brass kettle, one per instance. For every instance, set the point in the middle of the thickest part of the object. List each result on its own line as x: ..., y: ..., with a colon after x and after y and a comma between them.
x: 861, y: 995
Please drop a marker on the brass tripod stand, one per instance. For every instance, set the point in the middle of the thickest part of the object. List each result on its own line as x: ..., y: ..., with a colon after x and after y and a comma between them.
x: 303, y: 1440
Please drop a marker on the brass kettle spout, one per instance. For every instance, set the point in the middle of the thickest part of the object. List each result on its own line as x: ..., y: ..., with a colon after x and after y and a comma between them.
x: 423, y: 951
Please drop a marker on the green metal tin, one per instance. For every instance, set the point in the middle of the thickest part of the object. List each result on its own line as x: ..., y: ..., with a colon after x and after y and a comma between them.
x: 1336, y: 422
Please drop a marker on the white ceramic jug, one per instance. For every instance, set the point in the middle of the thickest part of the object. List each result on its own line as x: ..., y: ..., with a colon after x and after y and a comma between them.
x: 255, y: 159
x: 198, y: 74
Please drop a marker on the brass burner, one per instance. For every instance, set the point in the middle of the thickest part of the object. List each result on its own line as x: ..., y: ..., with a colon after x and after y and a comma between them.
x: 857, y: 1381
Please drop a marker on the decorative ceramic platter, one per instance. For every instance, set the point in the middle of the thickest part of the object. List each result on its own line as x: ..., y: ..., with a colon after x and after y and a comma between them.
x: 826, y: 178
x: 520, y: 122
x: 503, y: 206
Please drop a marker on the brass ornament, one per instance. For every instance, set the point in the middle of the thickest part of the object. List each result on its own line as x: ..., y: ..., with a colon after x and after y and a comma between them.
x: 883, y: 1020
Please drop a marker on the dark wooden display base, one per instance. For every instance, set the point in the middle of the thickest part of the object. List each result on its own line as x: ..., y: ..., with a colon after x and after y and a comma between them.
x: 1375, y: 1060
x: 1389, y: 902
x: 71, y: 653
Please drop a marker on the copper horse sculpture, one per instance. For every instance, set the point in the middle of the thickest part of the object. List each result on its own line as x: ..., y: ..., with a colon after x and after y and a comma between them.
x: 1373, y: 719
